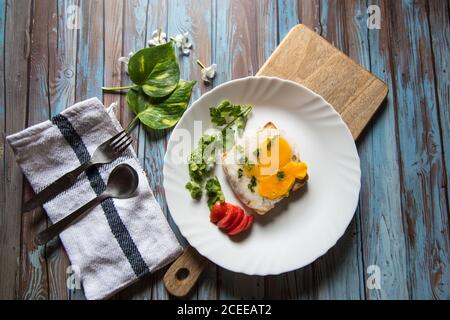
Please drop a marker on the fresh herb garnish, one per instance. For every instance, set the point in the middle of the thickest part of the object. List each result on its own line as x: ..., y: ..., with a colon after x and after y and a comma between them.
x: 240, y: 173
x: 252, y: 184
x: 225, y: 115
x: 158, y: 97
x: 280, y: 175
x: 195, y: 189
x: 214, y: 192
x: 247, y: 164
x: 202, y: 159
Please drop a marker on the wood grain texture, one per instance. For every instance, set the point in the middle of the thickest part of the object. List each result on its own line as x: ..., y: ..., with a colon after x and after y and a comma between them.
x: 34, y: 274
x: 381, y: 219
x: 113, y: 26
x: 439, y: 21
x: 309, y: 13
x: 5, y: 292
x: 402, y: 221
x: 17, y: 52
x: 424, y: 204
x: 183, y: 275
x: 62, y: 76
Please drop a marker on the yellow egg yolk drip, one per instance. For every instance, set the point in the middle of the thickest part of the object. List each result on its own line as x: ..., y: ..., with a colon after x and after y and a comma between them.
x: 275, y: 171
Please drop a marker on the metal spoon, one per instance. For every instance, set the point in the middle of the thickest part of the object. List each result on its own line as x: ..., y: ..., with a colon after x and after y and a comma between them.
x: 122, y: 183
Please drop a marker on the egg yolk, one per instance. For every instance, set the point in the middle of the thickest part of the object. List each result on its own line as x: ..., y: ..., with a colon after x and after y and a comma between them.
x: 275, y: 171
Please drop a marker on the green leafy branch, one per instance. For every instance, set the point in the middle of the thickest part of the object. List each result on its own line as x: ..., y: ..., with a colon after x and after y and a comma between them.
x: 158, y: 96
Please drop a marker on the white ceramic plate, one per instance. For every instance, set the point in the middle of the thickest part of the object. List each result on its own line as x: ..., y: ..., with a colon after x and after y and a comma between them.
x: 302, y: 227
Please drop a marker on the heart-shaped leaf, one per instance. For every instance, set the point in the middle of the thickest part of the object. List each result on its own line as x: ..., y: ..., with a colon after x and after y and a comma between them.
x: 155, y: 69
x: 165, y: 114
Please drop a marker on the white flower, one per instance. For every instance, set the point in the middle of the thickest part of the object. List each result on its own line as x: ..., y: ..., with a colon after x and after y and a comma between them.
x: 208, y: 73
x: 182, y: 43
x: 125, y: 60
x: 158, y: 37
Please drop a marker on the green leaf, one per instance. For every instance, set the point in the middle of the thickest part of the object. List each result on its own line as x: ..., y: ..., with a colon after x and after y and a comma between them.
x: 164, y: 114
x: 214, y: 191
x: 195, y: 189
x: 155, y: 69
x: 137, y: 101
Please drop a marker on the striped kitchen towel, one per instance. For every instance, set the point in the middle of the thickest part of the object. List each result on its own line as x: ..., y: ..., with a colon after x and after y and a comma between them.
x: 120, y: 240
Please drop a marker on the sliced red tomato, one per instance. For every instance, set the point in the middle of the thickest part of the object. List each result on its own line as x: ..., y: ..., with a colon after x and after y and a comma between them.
x: 249, y: 222
x: 239, y: 216
x: 218, y: 211
x: 240, y: 227
x: 229, y: 217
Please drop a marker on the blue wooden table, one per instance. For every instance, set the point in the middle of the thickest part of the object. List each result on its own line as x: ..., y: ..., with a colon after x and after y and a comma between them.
x: 398, y: 241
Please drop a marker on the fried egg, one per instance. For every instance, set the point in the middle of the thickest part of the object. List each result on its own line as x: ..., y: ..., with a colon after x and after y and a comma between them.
x: 264, y: 167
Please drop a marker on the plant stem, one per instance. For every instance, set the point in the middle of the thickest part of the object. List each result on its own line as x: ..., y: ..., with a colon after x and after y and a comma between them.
x: 120, y: 88
x: 201, y: 64
x: 132, y: 123
x: 243, y: 113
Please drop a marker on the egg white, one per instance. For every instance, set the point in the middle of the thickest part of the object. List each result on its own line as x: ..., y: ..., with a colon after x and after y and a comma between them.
x: 246, y: 147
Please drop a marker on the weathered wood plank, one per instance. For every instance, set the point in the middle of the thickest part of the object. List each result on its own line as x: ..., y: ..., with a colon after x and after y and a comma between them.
x: 382, y: 231
x: 113, y: 24
x: 288, y: 16
x: 17, y: 51
x: 440, y: 37
x: 235, y: 42
x: 62, y: 76
x: 34, y: 279
x: 133, y: 39
x: 309, y: 12
x: 5, y: 292
x: 90, y: 58
x: 424, y: 204
x: 193, y: 17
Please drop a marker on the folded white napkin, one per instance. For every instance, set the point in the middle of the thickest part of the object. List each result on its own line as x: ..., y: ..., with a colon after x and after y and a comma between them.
x: 117, y: 242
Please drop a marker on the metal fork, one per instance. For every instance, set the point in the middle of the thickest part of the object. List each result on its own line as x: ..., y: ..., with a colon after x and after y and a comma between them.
x: 107, y: 152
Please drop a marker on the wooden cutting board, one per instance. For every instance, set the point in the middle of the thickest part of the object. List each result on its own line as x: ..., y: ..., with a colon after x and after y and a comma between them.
x: 304, y: 57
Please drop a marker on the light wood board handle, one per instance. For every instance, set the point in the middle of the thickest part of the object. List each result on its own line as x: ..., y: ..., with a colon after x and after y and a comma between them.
x: 183, y: 274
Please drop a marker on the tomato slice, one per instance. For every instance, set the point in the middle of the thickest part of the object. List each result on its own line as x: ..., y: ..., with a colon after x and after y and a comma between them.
x: 218, y: 212
x: 250, y: 222
x: 229, y: 218
x: 240, y: 227
x: 239, y: 216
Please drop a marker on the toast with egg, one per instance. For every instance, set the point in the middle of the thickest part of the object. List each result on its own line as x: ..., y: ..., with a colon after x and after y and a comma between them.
x: 263, y: 168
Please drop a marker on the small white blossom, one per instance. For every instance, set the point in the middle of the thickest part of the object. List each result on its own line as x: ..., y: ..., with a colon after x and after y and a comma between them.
x: 182, y: 42
x: 125, y: 60
x: 158, y: 37
x: 208, y: 73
